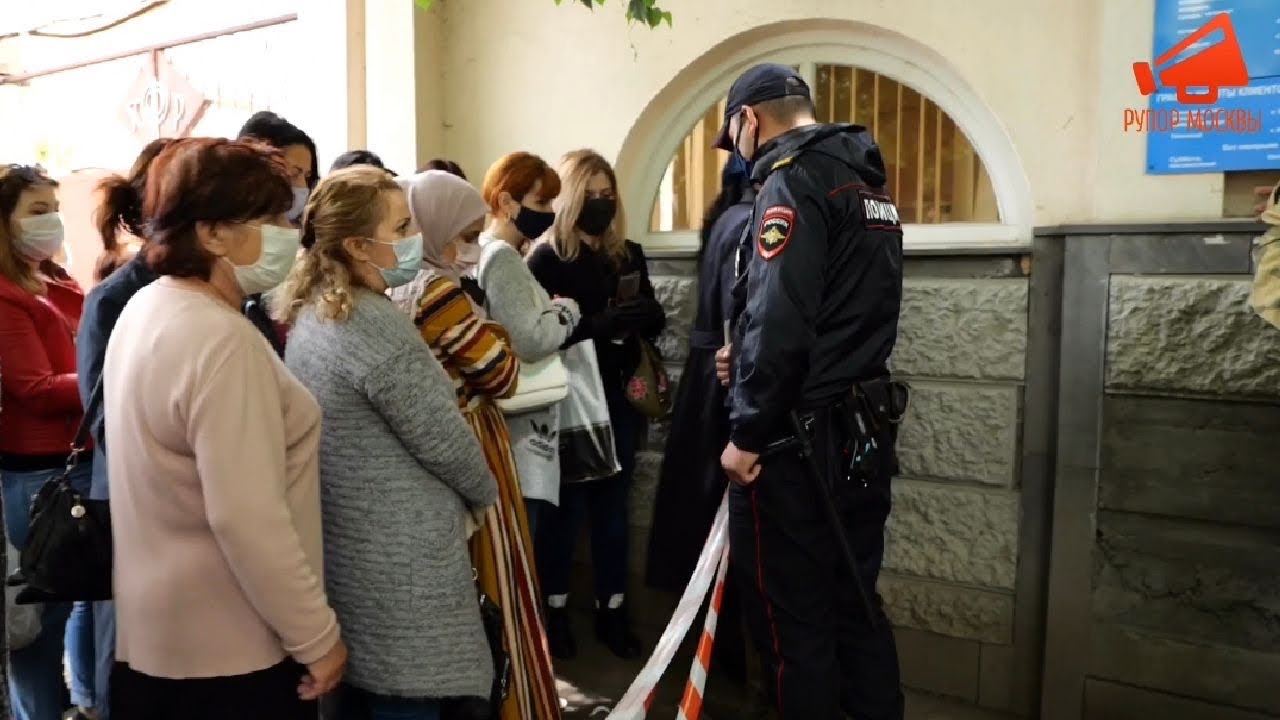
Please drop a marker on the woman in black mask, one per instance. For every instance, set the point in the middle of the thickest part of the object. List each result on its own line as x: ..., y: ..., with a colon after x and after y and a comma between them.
x: 588, y: 258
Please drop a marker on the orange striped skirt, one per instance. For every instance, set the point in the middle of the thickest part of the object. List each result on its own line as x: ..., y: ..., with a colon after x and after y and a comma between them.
x: 502, y: 551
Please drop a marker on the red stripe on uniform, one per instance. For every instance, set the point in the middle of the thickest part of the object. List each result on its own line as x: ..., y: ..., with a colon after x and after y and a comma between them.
x: 773, y: 625
x: 850, y: 186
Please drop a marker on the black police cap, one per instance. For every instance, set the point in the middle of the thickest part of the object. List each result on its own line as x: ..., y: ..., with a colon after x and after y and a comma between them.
x: 768, y: 81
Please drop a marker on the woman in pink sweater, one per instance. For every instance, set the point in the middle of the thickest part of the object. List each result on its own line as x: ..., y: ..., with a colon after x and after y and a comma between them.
x: 212, y: 468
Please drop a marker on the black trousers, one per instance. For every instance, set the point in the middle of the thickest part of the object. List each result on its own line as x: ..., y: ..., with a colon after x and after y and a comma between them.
x: 822, y: 659
x: 270, y: 694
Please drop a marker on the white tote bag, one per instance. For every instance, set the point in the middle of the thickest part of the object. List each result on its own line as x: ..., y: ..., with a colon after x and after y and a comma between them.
x: 541, y: 384
x: 587, y: 450
x: 535, y: 445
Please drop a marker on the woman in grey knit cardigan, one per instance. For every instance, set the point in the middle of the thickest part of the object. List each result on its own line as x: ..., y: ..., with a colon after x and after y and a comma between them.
x: 399, y: 467
x: 515, y: 188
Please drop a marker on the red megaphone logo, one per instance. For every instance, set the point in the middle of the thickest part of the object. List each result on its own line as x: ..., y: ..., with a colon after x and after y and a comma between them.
x: 1219, y: 66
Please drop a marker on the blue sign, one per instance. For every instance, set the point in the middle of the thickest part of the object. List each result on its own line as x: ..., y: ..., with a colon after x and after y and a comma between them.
x: 1216, y: 138
x: 1241, y: 131
x: 1256, y: 22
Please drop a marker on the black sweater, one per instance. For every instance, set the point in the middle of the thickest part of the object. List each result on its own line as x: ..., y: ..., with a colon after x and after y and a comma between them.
x: 592, y: 282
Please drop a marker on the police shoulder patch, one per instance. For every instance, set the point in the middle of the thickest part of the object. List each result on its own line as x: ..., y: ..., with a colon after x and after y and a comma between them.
x: 776, y: 226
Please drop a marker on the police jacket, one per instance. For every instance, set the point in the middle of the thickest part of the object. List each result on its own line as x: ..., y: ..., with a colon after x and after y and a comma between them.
x: 820, y: 279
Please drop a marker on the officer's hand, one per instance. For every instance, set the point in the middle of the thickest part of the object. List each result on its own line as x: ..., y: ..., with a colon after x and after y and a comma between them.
x: 724, y: 363
x: 742, y: 467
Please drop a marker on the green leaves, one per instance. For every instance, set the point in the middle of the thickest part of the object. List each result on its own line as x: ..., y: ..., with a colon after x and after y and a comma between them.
x: 646, y: 12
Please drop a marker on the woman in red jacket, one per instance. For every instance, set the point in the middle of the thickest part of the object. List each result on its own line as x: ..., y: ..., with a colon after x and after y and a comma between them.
x: 40, y: 409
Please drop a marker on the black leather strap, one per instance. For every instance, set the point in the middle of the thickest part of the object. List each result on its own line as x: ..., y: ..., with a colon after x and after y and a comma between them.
x: 90, y: 411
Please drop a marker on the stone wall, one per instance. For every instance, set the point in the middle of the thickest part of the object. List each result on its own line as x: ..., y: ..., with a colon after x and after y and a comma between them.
x: 952, y: 556
x: 1166, y: 500
x: 950, y: 579
x: 1186, y: 593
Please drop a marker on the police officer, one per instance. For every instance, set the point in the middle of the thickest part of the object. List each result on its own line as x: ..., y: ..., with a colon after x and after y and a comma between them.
x: 816, y: 304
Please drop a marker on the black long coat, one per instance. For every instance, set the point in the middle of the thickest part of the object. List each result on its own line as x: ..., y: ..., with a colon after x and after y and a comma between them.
x: 692, y: 481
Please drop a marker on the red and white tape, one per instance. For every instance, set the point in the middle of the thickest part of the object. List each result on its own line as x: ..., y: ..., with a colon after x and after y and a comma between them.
x: 712, y: 564
x: 691, y: 703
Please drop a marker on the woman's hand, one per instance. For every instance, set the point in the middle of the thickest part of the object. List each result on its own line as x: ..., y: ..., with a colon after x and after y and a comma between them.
x: 324, y: 674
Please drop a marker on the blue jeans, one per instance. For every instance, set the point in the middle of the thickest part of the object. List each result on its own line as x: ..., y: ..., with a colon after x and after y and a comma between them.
x: 605, y: 502
x: 385, y: 707
x: 104, y: 613
x: 35, y: 671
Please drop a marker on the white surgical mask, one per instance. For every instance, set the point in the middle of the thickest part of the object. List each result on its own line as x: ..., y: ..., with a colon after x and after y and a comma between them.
x: 41, y: 236
x: 467, y: 254
x: 300, y: 195
x: 279, y: 251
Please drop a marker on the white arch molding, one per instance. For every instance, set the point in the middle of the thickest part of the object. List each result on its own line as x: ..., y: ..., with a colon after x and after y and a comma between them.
x: 653, y: 139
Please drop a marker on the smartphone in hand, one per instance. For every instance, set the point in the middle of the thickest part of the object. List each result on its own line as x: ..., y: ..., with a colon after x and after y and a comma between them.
x: 628, y: 287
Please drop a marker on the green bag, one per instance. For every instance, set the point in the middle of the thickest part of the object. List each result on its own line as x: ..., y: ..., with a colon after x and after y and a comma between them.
x: 649, y: 388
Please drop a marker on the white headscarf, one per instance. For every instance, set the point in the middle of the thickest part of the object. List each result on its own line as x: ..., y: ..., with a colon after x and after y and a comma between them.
x: 442, y: 205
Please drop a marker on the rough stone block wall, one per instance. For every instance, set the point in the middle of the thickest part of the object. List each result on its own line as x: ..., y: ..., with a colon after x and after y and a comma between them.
x: 952, y: 547
x: 1186, y: 593
x: 952, y: 550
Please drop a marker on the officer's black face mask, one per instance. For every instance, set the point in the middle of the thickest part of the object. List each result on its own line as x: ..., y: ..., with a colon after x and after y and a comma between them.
x: 596, y: 215
x: 737, y: 141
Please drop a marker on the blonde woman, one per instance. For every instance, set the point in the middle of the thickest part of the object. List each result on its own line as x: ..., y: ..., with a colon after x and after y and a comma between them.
x: 589, y: 259
x: 399, y: 466
x: 478, y: 357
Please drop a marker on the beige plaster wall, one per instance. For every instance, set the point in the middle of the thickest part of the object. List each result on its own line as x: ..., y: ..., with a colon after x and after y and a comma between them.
x: 530, y: 75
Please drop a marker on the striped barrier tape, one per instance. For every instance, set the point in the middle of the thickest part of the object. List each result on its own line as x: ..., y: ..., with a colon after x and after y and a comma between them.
x: 691, y: 703
x: 635, y: 704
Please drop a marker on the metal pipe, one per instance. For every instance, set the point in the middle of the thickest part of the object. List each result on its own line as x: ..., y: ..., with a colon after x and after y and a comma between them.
x: 258, y: 25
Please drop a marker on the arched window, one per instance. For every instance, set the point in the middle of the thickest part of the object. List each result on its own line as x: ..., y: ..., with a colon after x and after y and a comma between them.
x: 934, y: 173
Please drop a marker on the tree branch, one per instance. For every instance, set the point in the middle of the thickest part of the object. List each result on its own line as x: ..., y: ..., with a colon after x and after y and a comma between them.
x: 645, y: 12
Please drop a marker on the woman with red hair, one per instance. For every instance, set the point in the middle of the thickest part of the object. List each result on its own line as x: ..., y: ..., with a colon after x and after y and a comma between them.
x: 519, y: 189
x: 212, y: 472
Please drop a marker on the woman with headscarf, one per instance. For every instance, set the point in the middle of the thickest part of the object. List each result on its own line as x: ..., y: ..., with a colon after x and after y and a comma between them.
x: 477, y: 355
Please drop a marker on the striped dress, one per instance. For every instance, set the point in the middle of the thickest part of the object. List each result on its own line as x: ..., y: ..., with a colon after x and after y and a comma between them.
x: 476, y: 353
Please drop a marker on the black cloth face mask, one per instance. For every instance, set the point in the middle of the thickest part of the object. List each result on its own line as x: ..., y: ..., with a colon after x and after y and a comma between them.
x: 533, y: 223
x: 596, y: 215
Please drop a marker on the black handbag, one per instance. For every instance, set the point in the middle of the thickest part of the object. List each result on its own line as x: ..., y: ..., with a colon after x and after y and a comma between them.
x: 475, y: 708
x: 67, y: 556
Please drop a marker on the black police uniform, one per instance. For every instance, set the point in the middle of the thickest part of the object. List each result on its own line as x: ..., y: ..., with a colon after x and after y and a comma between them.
x: 817, y: 301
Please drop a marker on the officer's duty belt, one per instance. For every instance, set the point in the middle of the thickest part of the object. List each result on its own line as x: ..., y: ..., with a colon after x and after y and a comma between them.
x: 869, y: 410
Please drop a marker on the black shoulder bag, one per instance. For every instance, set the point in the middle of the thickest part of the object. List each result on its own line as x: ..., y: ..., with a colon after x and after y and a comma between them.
x: 474, y: 708
x: 67, y: 556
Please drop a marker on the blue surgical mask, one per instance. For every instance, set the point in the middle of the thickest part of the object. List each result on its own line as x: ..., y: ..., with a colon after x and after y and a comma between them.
x: 408, y: 262
x: 300, y: 195
x: 279, y: 251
